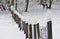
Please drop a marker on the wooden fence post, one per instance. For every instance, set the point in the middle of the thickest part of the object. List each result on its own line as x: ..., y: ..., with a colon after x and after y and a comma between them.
x: 49, y: 26
x: 19, y: 23
x: 23, y: 25
x: 26, y: 30
x: 35, y: 31
x: 38, y: 30
x: 30, y: 31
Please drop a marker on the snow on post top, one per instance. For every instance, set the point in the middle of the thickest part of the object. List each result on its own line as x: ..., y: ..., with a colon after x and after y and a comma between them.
x: 48, y: 15
x: 12, y: 8
x: 17, y: 13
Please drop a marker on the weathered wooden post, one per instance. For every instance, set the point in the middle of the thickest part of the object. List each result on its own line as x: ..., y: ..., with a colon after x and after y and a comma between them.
x: 23, y: 25
x: 49, y: 26
x: 16, y: 18
x: 30, y: 31
x: 35, y: 31
x: 38, y: 30
x: 26, y: 30
x: 19, y: 23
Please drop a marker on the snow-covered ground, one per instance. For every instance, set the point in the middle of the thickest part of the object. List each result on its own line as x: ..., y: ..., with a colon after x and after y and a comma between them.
x: 56, y: 23
x: 8, y: 28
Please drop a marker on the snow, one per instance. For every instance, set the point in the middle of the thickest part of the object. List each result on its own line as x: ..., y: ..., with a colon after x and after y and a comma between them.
x: 16, y: 12
x: 56, y: 24
x: 48, y: 15
x: 12, y: 8
x: 39, y: 14
x: 8, y: 28
x: 35, y: 14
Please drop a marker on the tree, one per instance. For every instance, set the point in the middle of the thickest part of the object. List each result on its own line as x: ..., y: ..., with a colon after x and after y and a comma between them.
x: 2, y: 5
x: 49, y: 3
x: 16, y: 5
x: 27, y: 3
x: 41, y: 2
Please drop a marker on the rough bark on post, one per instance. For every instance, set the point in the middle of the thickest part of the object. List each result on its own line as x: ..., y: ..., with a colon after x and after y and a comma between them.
x: 30, y: 31
x: 35, y: 32
x: 27, y: 3
x: 49, y: 26
x: 16, y: 18
x: 26, y: 30
x: 19, y: 23
x: 23, y: 25
x: 38, y: 30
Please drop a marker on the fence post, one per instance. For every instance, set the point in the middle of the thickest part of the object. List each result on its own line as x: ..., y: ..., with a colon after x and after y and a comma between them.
x: 26, y: 30
x: 38, y: 30
x: 49, y: 26
x: 35, y: 31
x: 23, y: 24
x: 30, y: 31
x: 19, y: 23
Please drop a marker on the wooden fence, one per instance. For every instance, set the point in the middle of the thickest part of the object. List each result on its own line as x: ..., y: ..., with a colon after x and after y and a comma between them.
x: 27, y: 28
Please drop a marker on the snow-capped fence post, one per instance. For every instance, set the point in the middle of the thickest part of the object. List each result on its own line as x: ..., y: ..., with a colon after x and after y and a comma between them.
x: 49, y: 26
x: 38, y: 30
x: 30, y: 31
x: 16, y: 18
x: 35, y: 31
